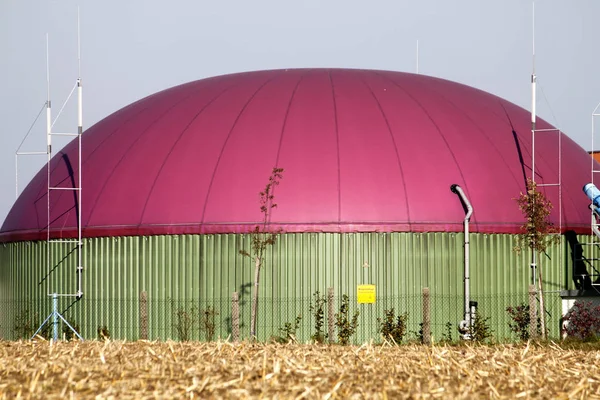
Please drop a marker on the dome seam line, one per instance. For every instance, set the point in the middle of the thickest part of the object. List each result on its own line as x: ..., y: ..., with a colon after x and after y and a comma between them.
x: 285, y: 118
x: 179, y: 137
x: 437, y: 128
x: 212, y: 179
x: 337, y: 142
x: 123, y: 156
x: 393, y: 139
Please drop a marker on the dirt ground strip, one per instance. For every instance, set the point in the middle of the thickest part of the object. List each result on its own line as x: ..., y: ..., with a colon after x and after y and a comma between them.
x: 141, y: 370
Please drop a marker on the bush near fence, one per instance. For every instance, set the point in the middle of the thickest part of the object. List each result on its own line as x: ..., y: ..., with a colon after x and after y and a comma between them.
x: 191, y: 319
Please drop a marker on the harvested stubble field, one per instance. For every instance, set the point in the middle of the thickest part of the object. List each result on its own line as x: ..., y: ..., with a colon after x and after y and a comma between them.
x: 139, y: 370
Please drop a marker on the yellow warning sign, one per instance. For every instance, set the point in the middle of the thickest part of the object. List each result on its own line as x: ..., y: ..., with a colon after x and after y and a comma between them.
x: 365, y: 294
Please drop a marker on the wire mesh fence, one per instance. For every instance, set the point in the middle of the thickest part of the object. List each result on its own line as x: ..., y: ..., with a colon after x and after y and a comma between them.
x: 192, y: 319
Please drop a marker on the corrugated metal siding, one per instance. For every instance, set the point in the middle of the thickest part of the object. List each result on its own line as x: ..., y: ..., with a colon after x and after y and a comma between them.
x: 7, y: 294
x: 185, y: 274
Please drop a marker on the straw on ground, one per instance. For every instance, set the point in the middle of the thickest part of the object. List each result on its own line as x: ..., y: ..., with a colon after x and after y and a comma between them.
x: 143, y: 369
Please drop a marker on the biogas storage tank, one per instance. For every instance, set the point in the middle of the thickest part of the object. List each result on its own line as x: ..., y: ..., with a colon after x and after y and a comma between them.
x: 171, y: 195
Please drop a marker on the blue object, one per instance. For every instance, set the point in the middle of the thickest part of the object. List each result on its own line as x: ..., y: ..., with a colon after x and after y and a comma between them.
x: 593, y: 194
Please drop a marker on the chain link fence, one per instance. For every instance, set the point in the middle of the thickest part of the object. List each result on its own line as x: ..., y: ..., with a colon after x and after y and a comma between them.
x: 192, y: 319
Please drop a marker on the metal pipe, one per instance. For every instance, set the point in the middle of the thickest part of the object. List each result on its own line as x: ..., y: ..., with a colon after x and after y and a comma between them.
x: 79, y: 132
x: 417, y: 56
x: 465, y: 325
x: 79, y: 106
x: 54, y: 317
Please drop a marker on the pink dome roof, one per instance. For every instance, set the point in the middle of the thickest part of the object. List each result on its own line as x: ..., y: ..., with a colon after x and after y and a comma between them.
x: 362, y: 151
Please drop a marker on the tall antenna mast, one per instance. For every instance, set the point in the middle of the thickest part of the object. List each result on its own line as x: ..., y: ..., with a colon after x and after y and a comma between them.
x: 79, y: 132
x: 55, y: 315
x: 48, y: 148
x: 533, y: 117
x: 417, y: 56
x: 78, y: 46
x: 533, y: 88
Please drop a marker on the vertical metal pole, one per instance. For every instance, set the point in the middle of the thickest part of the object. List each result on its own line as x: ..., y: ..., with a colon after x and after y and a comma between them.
x: 79, y: 195
x: 55, y: 316
x: 560, y: 181
x: 592, y: 218
x: 49, y: 154
x: 560, y: 232
x: 80, y: 185
x: 533, y: 117
x: 417, y: 56
x: 467, y: 275
x: 78, y: 45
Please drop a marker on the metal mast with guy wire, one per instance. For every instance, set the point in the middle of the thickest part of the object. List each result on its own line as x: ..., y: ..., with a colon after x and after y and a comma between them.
x: 54, y: 293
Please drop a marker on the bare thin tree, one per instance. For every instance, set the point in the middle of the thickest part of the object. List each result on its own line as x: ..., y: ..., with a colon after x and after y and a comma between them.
x: 262, y: 238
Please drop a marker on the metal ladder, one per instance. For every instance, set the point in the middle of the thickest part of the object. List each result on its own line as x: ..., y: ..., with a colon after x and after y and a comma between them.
x: 557, y: 185
x: 78, y: 242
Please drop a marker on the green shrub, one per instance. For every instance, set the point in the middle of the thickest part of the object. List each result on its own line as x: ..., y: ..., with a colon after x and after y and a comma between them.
x: 481, y: 330
x: 447, y: 336
x: 418, y: 335
x: 346, y: 326
x: 103, y: 333
x: 288, y: 331
x: 25, y: 324
x: 392, y: 326
x: 318, y: 311
x: 185, y: 321
x: 207, y: 322
x: 520, y: 321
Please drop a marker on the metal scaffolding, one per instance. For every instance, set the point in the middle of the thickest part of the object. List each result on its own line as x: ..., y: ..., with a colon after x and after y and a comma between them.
x: 534, y: 133
x: 593, y: 245
x: 53, y: 292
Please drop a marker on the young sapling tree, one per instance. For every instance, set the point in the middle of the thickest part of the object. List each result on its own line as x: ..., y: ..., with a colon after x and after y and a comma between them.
x: 261, y: 238
x: 537, y: 234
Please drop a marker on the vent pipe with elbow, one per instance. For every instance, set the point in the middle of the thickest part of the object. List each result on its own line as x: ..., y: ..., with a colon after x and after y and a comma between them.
x: 465, y: 325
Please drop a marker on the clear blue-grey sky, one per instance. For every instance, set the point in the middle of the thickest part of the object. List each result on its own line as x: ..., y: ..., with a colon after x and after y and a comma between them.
x: 134, y: 48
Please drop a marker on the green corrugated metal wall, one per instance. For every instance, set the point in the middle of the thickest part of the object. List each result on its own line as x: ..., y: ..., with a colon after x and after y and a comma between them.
x: 191, y: 272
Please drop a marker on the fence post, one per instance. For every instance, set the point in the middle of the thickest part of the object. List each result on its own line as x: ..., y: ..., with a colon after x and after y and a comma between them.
x: 330, y: 315
x: 144, y: 315
x: 235, y: 317
x: 533, y: 333
x: 426, y: 317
